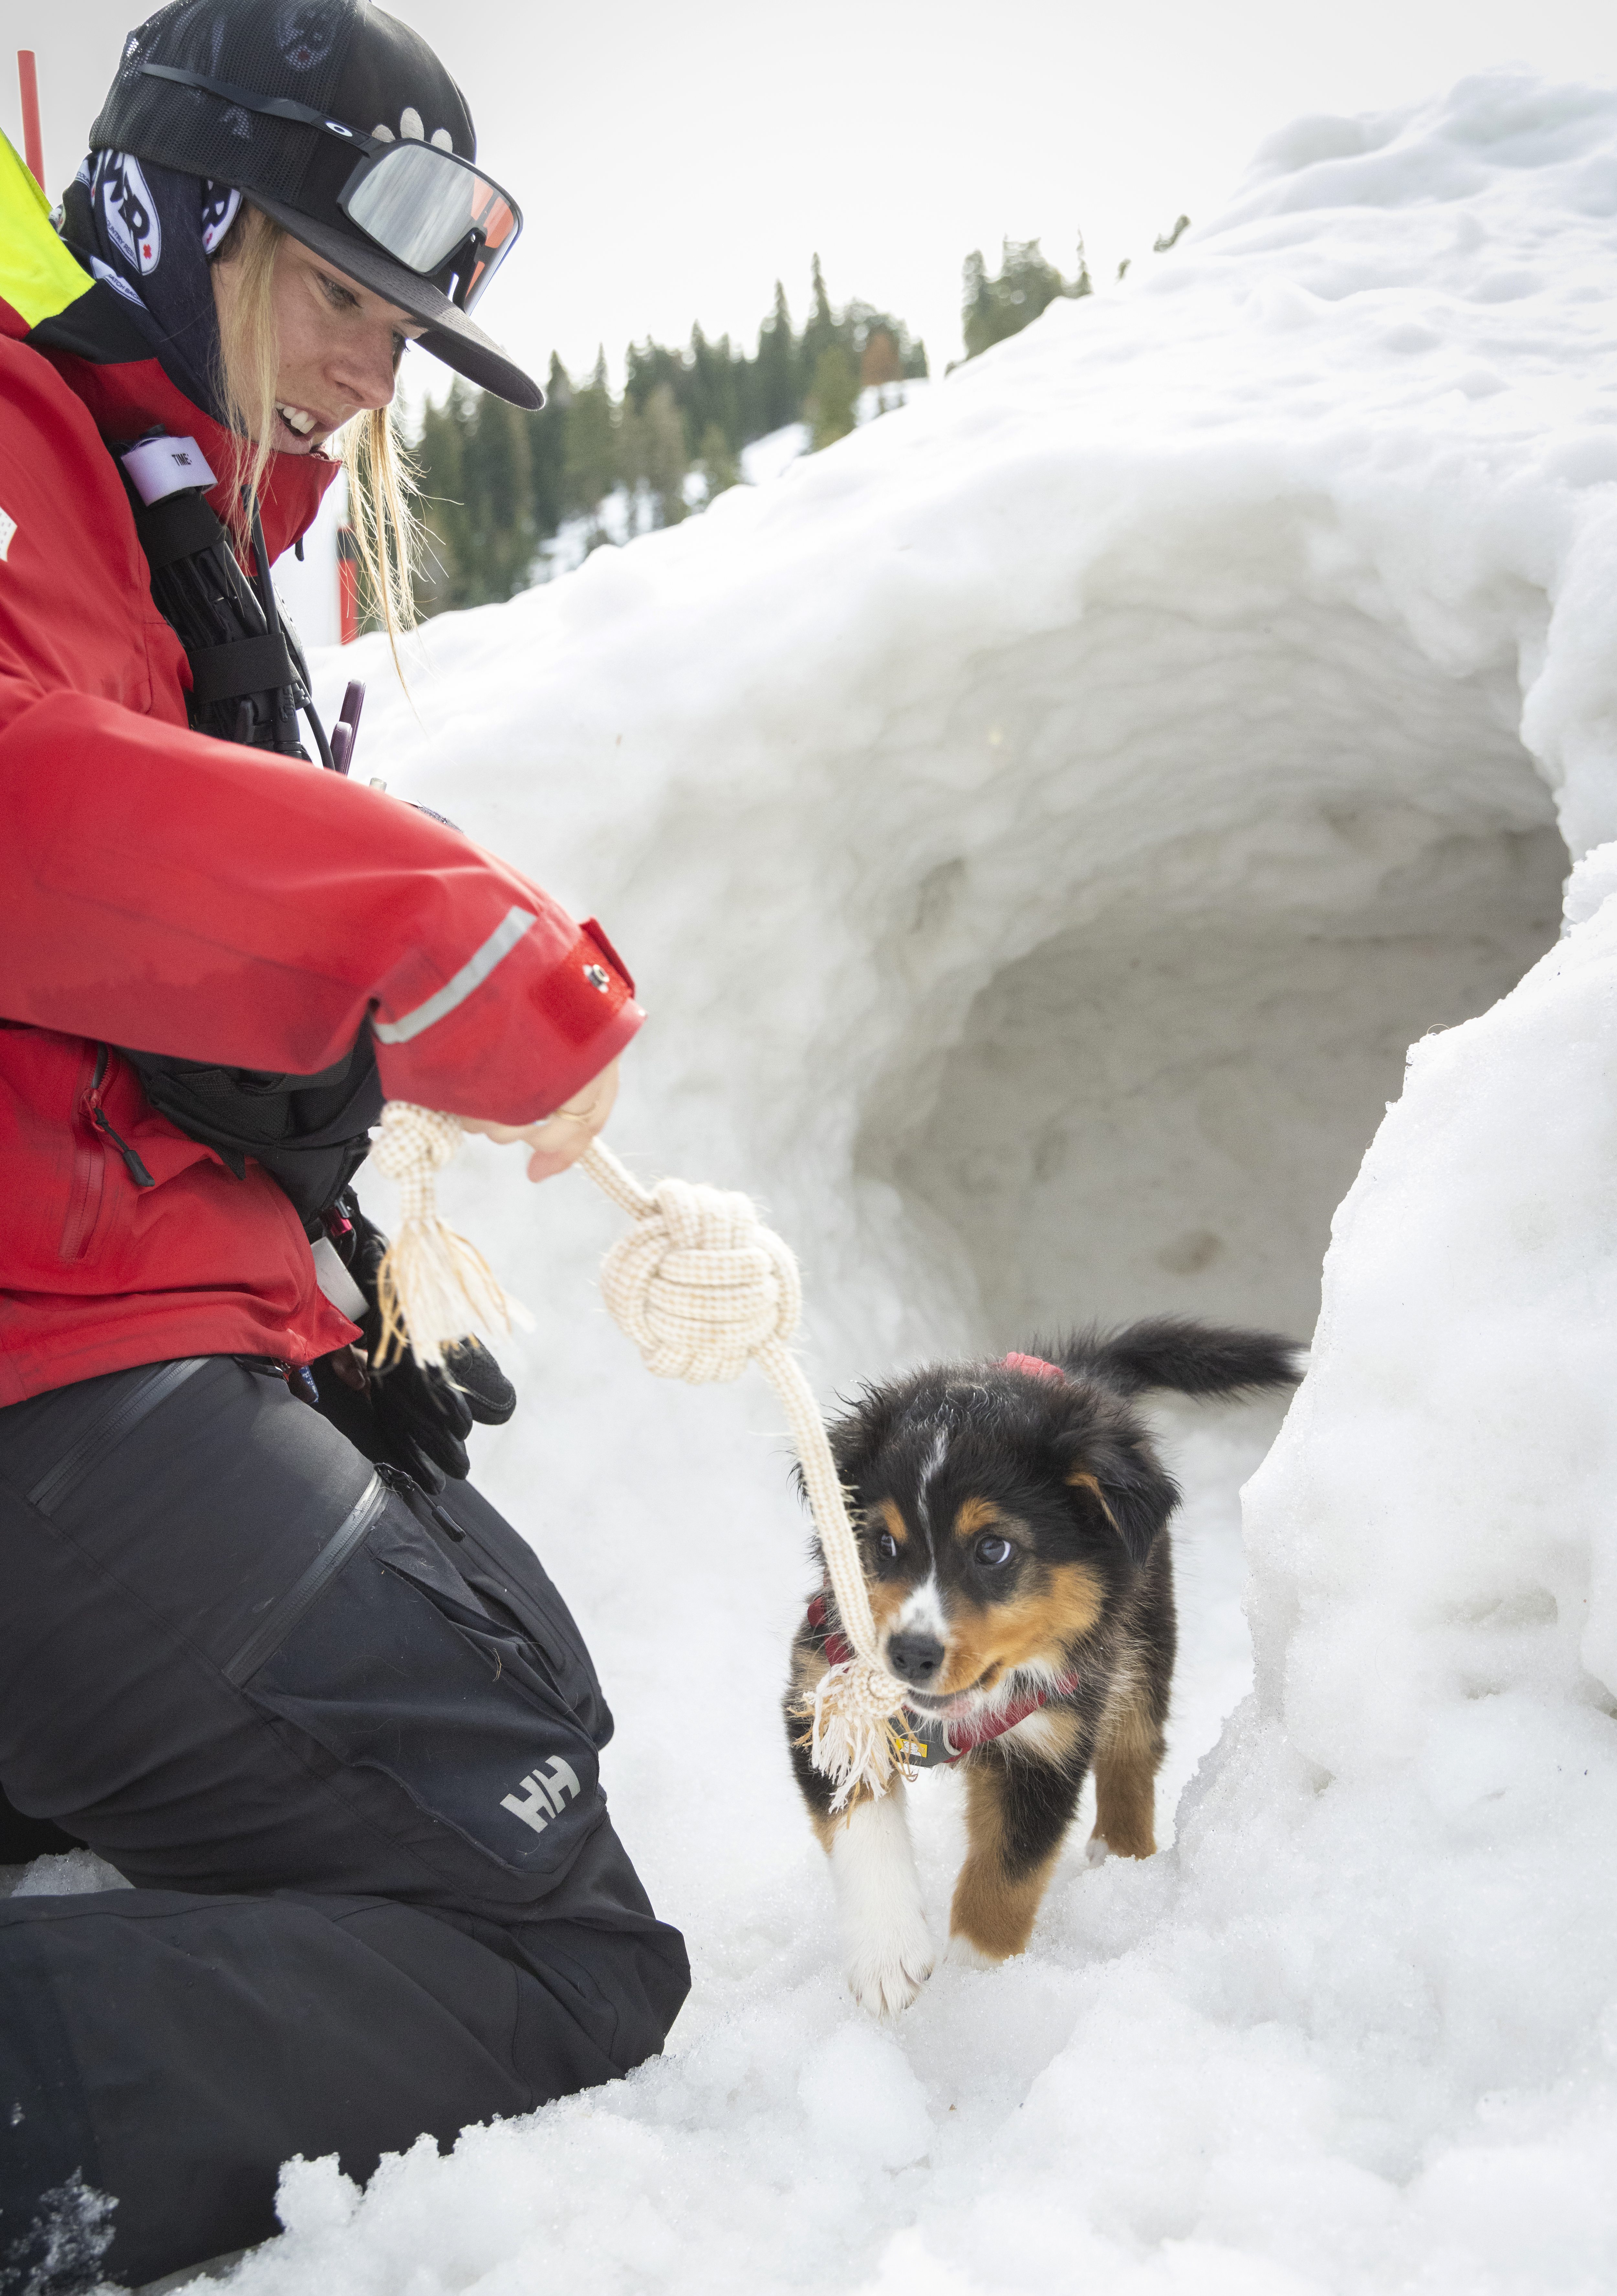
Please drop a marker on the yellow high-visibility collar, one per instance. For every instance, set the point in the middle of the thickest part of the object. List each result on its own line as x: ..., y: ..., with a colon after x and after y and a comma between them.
x: 39, y: 276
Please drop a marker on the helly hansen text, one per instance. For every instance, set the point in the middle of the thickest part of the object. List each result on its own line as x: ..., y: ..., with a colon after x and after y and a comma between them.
x: 543, y: 1797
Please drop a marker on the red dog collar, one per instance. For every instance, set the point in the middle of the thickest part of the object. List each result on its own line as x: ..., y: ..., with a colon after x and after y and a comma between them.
x: 931, y: 1743
x: 1034, y: 1366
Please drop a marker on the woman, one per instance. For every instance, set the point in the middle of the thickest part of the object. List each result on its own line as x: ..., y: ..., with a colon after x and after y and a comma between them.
x: 282, y: 1666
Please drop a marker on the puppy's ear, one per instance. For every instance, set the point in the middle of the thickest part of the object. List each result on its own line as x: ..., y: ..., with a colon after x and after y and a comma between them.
x: 859, y: 1434
x: 1133, y: 1491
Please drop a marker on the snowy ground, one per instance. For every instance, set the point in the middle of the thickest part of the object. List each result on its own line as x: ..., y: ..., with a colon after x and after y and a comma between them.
x: 1039, y: 824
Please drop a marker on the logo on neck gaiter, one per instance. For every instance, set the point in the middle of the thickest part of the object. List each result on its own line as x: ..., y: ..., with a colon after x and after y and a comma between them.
x: 130, y: 211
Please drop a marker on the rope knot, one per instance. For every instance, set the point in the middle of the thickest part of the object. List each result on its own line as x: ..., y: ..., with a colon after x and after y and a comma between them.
x: 409, y: 1146
x: 699, y: 1283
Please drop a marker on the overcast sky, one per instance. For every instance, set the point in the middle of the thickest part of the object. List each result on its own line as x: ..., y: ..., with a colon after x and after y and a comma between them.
x: 672, y: 161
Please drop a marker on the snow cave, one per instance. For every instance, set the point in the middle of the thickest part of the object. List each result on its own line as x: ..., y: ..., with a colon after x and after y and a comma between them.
x: 1152, y: 1093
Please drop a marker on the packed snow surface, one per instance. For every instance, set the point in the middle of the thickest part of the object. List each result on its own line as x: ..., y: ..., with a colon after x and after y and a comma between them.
x: 1040, y: 825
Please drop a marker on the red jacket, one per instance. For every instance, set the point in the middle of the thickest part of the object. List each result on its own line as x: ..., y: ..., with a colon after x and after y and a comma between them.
x: 187, y: 895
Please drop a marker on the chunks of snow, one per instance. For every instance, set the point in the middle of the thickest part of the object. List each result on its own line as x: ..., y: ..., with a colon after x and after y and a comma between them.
x: 1040, y: 825
x: 64, y: 1873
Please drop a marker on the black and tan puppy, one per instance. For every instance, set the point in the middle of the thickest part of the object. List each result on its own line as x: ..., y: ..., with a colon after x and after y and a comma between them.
x: 1012, y: 1519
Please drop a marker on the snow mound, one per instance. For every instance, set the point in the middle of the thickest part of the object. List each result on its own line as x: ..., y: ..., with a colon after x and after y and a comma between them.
x: 1040, y: 823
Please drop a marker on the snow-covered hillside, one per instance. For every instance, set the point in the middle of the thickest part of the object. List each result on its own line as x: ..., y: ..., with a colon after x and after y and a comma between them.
x: 1039, y: 824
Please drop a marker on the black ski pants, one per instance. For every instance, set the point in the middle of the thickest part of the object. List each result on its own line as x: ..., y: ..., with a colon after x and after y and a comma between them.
x: 342, y: 1740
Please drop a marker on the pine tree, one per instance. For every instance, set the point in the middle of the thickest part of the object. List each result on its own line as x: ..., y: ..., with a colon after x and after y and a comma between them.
x: 779, y: 393
x: 500, y: 496
x: 547, y: 434
x: 633, y: 455
x: 666, y: 459
x: 701, y: 392
x: 976, y: 303
x: 832, y: 400
x: 477, y: 485
x: 993, y: 309
x: 710, y: 395
x: 819, y: 330
x: 750, y: 422
x: 645, y: 365
x: 591, y: 470
x: 447, y: 531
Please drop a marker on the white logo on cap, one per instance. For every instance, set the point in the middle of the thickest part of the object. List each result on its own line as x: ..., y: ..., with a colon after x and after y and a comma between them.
x: 304, y: 34
x: 221, y: 205
x: 412, y: 128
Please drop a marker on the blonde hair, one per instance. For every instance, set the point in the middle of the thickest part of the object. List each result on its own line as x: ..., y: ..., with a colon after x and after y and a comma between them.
x: 380, y: 482
x: 386, y: 528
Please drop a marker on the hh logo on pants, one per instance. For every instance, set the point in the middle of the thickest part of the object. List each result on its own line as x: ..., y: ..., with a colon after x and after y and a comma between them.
x: 543, y: 1797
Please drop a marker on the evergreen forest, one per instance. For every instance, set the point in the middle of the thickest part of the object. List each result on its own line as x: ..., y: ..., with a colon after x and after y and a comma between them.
x: 498, y: 484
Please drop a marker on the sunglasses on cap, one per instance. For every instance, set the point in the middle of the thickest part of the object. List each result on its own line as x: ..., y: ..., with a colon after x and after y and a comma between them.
x: 429, y: 209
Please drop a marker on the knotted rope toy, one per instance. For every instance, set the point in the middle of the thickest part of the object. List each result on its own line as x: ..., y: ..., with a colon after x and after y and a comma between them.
x: 702, y: 1287
x: 432, y: 1286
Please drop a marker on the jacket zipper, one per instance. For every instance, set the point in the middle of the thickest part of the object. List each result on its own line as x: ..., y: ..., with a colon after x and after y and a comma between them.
x: 137, y: 1171
x: 90, y: 1162
x: 89, y: 1172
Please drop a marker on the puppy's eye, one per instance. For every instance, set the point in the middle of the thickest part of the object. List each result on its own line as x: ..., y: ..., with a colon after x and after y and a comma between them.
x: 992, y: 1550
x: 887, y: 1546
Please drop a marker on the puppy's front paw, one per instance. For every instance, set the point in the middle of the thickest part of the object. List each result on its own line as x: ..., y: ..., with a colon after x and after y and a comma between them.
x: 888, y: 1945
x: 887, y: 1968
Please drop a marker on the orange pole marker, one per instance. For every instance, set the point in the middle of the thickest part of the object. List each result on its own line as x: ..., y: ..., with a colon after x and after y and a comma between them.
x: 33, y: 142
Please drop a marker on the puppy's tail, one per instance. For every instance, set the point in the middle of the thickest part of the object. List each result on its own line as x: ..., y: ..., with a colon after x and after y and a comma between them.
x: 1191, y: 1358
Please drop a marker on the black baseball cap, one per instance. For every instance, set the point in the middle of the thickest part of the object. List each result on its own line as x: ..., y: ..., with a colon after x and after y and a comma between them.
x: 321, y: 110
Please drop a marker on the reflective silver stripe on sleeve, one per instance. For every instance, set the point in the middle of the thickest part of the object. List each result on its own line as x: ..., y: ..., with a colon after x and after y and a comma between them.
x: 471, y: 975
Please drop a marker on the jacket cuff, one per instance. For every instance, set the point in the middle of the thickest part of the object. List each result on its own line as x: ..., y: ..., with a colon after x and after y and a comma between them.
x: 516, y: 1033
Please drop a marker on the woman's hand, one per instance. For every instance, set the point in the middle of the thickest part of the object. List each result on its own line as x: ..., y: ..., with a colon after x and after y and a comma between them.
x: 563, y: 1136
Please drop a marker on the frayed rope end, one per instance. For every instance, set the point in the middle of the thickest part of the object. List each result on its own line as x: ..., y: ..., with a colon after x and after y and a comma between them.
x: 433, y: 1288
x: 854, y: 1736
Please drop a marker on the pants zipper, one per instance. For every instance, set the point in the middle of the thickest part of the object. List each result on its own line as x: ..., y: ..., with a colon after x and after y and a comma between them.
x: 267, y: 1637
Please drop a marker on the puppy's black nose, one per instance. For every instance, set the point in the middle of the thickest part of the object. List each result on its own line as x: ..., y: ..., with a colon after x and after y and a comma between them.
x: 915, y: 1658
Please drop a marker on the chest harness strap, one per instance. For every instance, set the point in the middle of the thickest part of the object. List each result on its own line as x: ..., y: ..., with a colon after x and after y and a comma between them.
x: 249, y: 679
x: 248, y: 683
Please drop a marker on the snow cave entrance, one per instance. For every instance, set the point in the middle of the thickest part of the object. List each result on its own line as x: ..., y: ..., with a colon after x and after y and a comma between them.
x: 1152, y: 1022
x: 1157, y: 1102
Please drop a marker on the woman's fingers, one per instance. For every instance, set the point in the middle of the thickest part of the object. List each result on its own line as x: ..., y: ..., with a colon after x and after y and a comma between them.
x: 563, y: 1135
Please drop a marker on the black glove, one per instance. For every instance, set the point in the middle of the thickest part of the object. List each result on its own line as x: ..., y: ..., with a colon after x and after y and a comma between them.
x: 423, y: 1414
